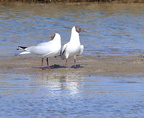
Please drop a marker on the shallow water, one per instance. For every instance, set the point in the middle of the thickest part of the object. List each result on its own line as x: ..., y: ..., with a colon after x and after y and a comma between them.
x: 112, y: 29
x: 115, y: 29
x: 71, y: 96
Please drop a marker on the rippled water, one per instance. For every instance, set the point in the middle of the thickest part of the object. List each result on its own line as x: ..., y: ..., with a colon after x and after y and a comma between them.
x: 71, y: 96
x: 112, y: 29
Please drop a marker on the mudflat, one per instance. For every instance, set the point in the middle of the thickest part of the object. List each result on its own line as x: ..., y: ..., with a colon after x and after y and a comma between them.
x: 87, y: 65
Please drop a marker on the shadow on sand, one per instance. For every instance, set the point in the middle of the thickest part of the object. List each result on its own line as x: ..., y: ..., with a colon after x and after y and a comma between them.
x: 56, y: 66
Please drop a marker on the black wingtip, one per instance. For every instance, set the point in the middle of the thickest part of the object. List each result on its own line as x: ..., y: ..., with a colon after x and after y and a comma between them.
x: 21, y: 48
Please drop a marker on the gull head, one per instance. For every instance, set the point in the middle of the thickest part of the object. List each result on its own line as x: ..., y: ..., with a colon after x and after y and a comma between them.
x: 78, y: 29
x: 52, y: 37
x: 56, y: 36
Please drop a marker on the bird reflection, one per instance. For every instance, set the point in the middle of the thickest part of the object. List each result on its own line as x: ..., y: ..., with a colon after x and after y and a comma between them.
x: 64, y: 83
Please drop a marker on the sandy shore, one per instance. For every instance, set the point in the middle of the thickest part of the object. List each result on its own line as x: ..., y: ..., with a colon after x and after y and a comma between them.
x: 122, y: 65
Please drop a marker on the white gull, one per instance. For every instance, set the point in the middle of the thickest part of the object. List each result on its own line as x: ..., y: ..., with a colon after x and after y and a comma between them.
x: 73, y: 48
x: 46, y: 49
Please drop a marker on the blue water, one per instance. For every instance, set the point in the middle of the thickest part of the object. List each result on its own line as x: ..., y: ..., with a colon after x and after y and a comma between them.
x: 111, y: 29
x: 116, y: 29
x: 71, y: 96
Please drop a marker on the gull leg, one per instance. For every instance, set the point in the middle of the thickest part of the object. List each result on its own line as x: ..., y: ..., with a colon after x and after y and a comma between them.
x: 75, y: 62
x: 42, y: 64
x: 47, y: 63
x: 66, y: 62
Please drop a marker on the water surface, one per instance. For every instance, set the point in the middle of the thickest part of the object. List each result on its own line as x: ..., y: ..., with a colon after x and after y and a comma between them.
x: 112, y: 29
x: 71, y: 96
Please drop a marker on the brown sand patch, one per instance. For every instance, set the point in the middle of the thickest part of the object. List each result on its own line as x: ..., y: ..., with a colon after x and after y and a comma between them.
x: 86, y: 66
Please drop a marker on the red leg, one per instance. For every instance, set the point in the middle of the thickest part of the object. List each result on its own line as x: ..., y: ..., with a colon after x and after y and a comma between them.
x: 42, y: 64
x: 75, y: 63
x: 66, y: 62
x: 47, y: 63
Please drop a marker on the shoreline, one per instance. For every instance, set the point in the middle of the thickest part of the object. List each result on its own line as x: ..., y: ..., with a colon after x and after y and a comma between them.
x: 114, y: 66
x: 69, y: 1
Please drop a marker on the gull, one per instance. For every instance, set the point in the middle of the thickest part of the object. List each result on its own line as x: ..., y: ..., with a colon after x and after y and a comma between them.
x: 73, y: 48
x: 46, y: 49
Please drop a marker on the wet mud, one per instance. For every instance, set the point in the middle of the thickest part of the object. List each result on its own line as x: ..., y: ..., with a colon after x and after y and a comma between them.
x: 122, y: 65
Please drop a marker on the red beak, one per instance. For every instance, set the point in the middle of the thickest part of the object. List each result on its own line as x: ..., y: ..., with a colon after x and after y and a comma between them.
x: 84, y: 30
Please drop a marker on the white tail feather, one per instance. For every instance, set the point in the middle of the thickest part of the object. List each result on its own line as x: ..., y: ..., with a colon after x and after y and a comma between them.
x: 25, y: 52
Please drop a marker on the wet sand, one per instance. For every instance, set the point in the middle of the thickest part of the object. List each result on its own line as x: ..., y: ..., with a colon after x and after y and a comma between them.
x: 87, y: 65
x: 88, y: 91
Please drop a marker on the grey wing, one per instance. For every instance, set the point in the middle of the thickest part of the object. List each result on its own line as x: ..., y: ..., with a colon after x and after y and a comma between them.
x: 45, y: 43
x: 42, y: 50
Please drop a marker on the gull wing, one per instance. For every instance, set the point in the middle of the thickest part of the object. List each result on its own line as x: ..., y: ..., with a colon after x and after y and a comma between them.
x: 81, y: 49
x: 62, y: 53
